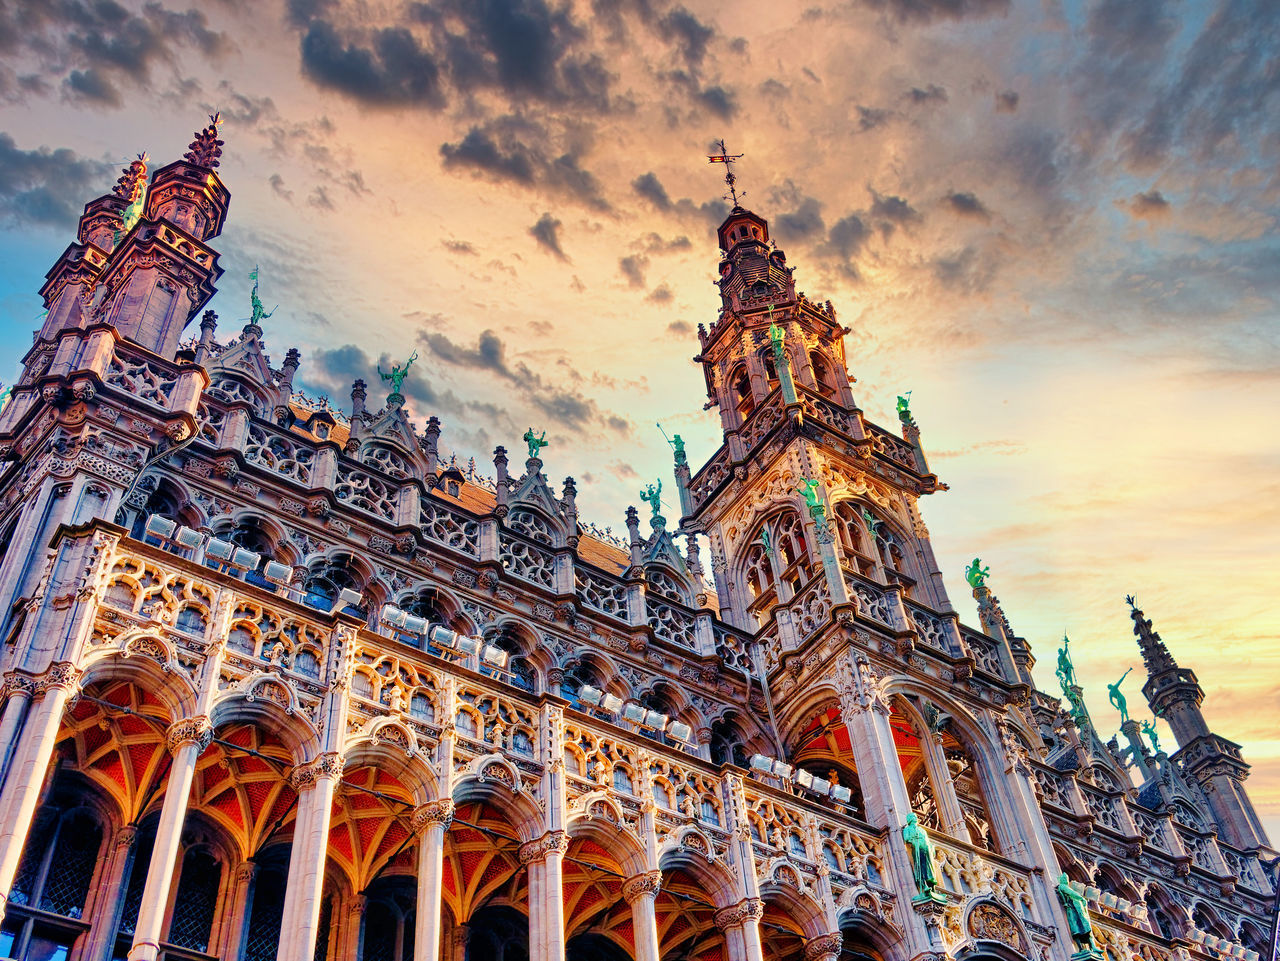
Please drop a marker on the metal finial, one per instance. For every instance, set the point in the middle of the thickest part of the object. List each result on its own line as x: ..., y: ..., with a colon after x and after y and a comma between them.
x: 726, y: 158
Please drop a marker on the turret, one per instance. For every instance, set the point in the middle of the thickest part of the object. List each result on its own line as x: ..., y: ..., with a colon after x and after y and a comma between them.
x: 1175, y: 694
x: 160, y: 273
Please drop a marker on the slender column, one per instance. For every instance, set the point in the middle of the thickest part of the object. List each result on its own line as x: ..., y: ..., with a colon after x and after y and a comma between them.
x: 351, y: 935
x: 186, y: 740
x: 432, y: 820
x: 238, y: 917
x: 825, y: 948
x: 741, y: 926
x: 640, y: 892
x: 545, y: 857
x: 30, y: 762
x: 19, y: 690
x: 315, y: 783
x: 109, y: 899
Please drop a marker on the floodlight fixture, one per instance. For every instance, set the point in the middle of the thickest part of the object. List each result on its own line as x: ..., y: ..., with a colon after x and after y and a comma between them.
x: 160, y: 526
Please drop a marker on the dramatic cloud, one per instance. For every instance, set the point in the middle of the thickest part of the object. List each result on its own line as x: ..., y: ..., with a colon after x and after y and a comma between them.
x: 926, y: 11
x: 547, y: 233
x: 633, y: 269
x: 46, y: 186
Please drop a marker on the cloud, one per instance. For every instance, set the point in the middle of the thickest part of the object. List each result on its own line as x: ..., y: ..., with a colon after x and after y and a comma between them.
x: 893, y: 212
x: 278, y: 188
x: 566, y: 407
x: 803, y: 222
x: 547, y: 233
x: 661, y: 295
x: 522, y: 151
x: 320, y: 199
x: 633, y: 268
x: 1007, y: 101
x: 95, y: 47
x: 848, y: 236
x: 967, y: 205
x: 927, y: 95
x: 460, y: 247
x: 690, y: 35
x: 650, y: 188
x: 928, y: 11
x: 1150, y: 205
x: 871, y: 117
x: 392, y: 70
x: 680, y: 328
x: 653, y: 243
x: 44, y: 186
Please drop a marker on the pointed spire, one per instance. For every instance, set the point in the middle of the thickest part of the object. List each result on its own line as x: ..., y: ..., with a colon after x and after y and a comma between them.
x: 1155, y: 655
x: 206, y: 149
x: 133, y: 179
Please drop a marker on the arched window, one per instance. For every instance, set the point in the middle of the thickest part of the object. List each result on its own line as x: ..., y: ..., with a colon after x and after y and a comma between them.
x: 251, y: 535
x: 576, y: 676
x: 324, y: 583
x: 823, y: 374
x: 166, y: 500
x: 770, y: 366
x: 497, y: 933
x: 266, y: 911
x: 776, y: 565
x: 518, y: 672
x: 871, y: 548
x: 1160, y: 918
x: 324, y: 930
x: 590, y: 946
x: 52, y: 883
x: 744, y: 401
x: 197, y: 898
x: 968, y: 789
x: 387, y: 931
x: 728, y: 745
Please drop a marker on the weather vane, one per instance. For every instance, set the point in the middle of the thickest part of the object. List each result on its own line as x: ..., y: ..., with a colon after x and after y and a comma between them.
x: 726, y: 158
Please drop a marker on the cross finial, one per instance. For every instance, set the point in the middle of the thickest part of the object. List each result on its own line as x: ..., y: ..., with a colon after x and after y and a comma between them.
x: 726, y: 158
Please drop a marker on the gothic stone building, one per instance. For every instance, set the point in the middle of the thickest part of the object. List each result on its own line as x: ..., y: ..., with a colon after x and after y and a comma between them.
x: 284, y: 683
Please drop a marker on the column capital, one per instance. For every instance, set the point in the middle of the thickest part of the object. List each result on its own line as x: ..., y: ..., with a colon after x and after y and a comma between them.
x: 189, y: 730
x: 245, y: 871
x: 553, y: 842
x: 825, y: 948
x: 61, y: 674
x: 327, y: 765
x: 433, y: 812
x: 735, y: 915
x: 18, y: 682
x: 125, y: 837
x: 640, y: 886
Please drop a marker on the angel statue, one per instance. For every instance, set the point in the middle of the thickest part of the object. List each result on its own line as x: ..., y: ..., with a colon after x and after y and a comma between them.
x: 398, y: 373
x: 535, y: 441
x: 904, y: 409
x: 976, y: 574
x: 652, y: 495
x: 1117, y: 698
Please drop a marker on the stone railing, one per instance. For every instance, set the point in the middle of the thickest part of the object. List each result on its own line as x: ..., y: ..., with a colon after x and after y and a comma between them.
x: 894, y: 448
x: 708, y: 480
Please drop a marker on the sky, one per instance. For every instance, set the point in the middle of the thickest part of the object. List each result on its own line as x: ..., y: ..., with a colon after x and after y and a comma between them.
x: 1055, y: 222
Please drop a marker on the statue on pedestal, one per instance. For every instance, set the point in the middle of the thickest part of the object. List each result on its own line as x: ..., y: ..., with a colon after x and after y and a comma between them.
x: 976, y: 574
x: 535, y: 441
x: 921, y: 857
x: 1078, y: 923
x: 1117, y: 698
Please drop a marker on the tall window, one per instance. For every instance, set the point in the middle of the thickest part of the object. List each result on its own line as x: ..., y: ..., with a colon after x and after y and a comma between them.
x: 823, y: 374
x: 518, y: 671
x: 387, y: 932
x: 197, y: 898
x: 777, y: 563
x: 266, y: 911
x: 252, y: 536
x: 325, y: 582
x: 53, y: 879
x: 497, y: 933
x: 871, y: 548
x: 743, y: 399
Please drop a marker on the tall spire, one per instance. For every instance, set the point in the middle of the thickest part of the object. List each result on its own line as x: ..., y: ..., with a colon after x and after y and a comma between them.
x: 1155, y: 655
x: 206, y: 149
x: 730, y: 179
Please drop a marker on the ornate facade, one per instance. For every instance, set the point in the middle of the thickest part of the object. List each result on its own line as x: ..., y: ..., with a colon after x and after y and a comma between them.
x: 282, y: 682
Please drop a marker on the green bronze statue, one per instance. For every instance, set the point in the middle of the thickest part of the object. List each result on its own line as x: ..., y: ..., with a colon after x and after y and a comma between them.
x: 1066, y: 670
x: 1077, y: 908
x: 652, y: 495
x: 1117, y: 698
x: 921, y: 856
x: 775, y: 338
x: 535, y: 441
x: 1149, y: 729
x: 976, y: 574
x: 873, y: 525
x: 809, y: 488
x: 260, y: 313
x: 677, y: 445
x: 766, y: 543
x: 904, y: 409
x: 398, y: 373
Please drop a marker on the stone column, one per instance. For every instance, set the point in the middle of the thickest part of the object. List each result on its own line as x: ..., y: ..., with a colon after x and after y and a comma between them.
x: 30, y: 762
x: 640, y: 892
x: 545, y: 859
x: 19, y: 690
x: 109, y: 898
x: 351, y: 932
x: 186, y: 741
x: 825, y: 948
x: 238, y: 914
x: 431, y: 820
x: 315, y: 783
x: 741, y: 926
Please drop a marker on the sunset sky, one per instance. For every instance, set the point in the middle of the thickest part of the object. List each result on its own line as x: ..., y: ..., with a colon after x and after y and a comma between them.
x: 1054, y: 222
